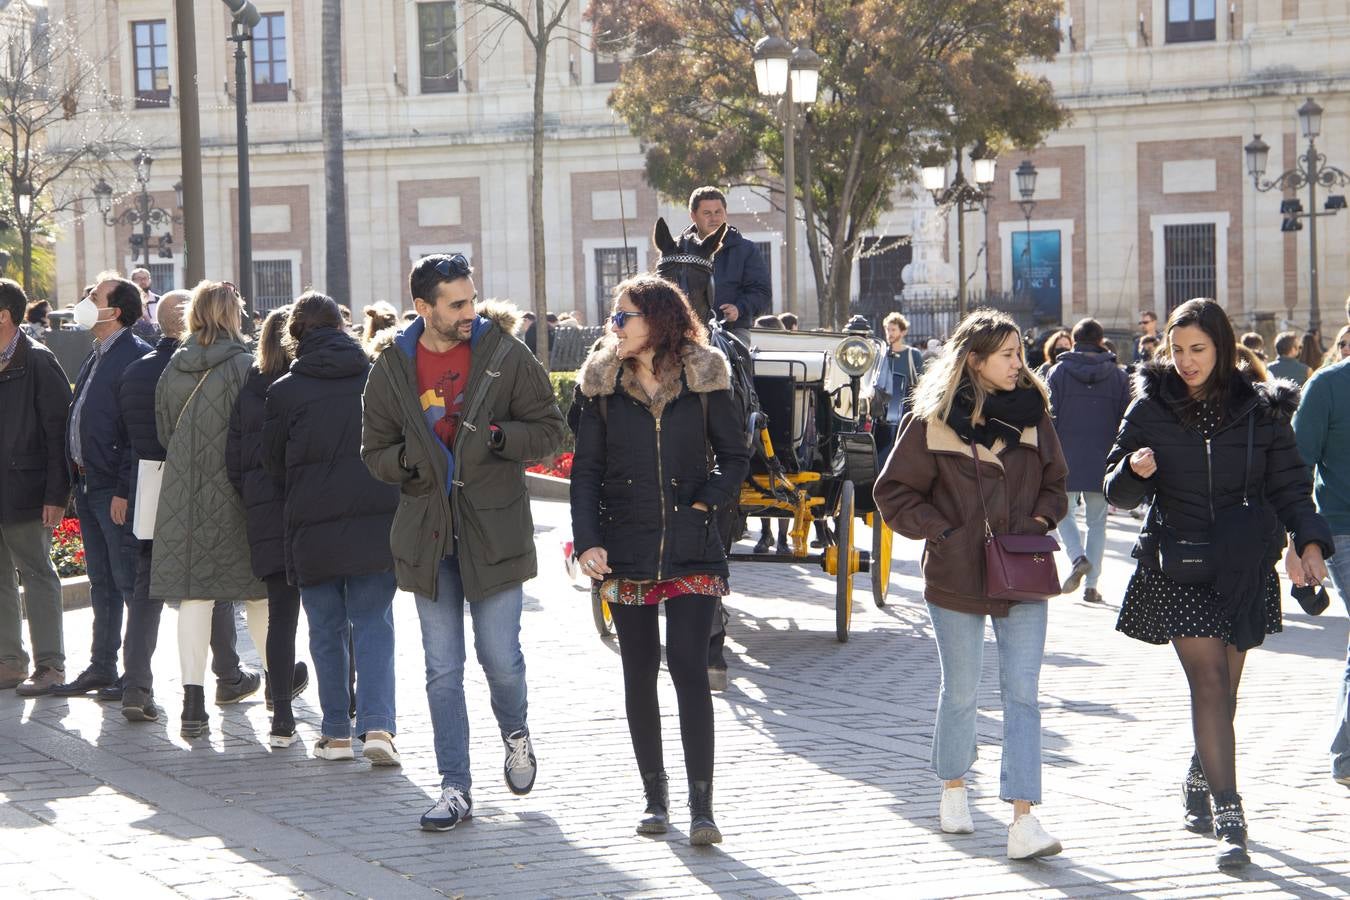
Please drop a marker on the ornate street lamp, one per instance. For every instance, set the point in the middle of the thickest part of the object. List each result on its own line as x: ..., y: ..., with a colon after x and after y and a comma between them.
x: 964, y: 197
x: 1311, y: 171
x: 793, y: 76
x: 144, y: 215
x: 1026, y: 189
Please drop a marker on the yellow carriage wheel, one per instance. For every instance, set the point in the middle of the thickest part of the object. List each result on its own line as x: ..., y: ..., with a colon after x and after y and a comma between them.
x: 604, y: 622
x: 882, y: 538
x: 846, y: 563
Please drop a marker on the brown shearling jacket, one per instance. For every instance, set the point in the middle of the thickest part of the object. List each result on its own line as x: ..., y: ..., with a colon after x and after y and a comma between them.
x: 928, y: 491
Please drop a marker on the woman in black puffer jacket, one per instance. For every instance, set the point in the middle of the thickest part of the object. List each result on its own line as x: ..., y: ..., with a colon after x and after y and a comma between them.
x: 656, y: 400
x: 1184, y: 445
x: 263, y: 495
x: 336, y: 519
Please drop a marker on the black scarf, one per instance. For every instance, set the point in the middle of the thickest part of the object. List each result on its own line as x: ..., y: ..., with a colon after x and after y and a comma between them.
x: 1006, y: 413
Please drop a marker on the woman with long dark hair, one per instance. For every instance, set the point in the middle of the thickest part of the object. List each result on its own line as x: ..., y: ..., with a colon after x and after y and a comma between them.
x: 1214, y: 452
x: 659, y: 450
x: 979, y: 451
x: 263, y: 498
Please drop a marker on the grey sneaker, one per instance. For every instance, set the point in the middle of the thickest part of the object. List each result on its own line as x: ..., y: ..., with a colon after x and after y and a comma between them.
x: 1080, y: 570
x: 232, y: 692
x: 41, y: 682
x: 520, y: 764
x: 453, y: 807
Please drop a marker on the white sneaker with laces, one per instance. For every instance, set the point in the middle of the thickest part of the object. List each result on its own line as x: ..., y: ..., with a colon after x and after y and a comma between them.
x: 453, y: 807
x: 1028, y: 840
x: 954, y: 813
x: 520, y: 765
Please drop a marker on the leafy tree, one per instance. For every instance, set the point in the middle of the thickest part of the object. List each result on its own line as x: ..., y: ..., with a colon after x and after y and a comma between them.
x: 899, y: 79
x: 541, y: 22
x: 58, y: 136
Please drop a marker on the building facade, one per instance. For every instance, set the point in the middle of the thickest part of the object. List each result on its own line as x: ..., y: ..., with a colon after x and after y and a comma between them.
x: 1142, y: 200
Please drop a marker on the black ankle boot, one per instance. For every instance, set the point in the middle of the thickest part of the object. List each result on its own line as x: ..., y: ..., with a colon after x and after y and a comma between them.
x: 194, y: 711
x: 1195, y: 796
x: 1230, y: 827
x: 656, y: 817
x: 702, y: 828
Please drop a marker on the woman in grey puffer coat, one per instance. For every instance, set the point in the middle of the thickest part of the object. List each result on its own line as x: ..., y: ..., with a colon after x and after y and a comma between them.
x: 201, y: 544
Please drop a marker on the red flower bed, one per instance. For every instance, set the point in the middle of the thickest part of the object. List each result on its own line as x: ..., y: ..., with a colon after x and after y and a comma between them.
x: 561, y: 467
x: 68, y: 549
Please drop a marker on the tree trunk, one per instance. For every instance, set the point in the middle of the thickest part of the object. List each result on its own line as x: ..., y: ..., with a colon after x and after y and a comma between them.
x: 840, y: 286
x: 338, y: 279
x: 538, y: 267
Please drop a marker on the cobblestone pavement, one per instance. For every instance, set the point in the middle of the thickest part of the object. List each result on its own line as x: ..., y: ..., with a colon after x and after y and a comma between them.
x: 822, y: 782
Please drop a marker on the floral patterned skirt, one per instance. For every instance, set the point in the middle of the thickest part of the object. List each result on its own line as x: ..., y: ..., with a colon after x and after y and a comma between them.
x: 626, y: 592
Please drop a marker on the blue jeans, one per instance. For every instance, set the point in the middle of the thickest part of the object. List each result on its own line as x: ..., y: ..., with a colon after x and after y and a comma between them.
x: 361, y: 606
x: 1021, y: 644
x: 496, y: 640
x: 1095, y: 505
x: 112, y: 573
x: 1339, y: 566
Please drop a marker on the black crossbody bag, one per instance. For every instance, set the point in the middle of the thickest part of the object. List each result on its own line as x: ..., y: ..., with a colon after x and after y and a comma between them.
x: 1196, y: 562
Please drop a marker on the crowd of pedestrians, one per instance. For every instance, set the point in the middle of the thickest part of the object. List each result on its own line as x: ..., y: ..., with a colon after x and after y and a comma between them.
x: 308, y: 468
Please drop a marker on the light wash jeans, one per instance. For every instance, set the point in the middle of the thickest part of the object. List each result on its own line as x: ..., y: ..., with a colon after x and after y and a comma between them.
x: 362, y: 607
x: 1021, y: 644
x: 496, y: 641
x: 1069, y: 536
x: 1339, y: 566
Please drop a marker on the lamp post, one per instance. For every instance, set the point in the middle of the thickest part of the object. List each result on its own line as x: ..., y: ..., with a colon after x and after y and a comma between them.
x: 792, y: 74
x: 963, y: 197
x: 1310, y: 171
x: 144, y: 215
x: 1026, y: 189
x: 245, y: 17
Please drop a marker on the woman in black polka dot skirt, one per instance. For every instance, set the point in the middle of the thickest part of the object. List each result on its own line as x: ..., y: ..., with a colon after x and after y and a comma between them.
x: 1207, y: 446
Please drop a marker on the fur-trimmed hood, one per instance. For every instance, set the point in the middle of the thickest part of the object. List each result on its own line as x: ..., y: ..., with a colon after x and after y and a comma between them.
x: 701, y: 368
x: 501, y: 313
x: 1156, y: 380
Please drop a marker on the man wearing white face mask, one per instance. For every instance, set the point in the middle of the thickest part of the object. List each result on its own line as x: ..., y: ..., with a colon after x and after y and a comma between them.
x: 100, y: 462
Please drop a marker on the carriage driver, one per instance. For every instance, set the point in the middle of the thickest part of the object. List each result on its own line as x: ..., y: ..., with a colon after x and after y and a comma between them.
x: 740, y: 275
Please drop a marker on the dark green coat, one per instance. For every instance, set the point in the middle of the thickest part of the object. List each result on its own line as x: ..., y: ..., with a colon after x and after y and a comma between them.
x: 470, y: 501
x: 201, y: 544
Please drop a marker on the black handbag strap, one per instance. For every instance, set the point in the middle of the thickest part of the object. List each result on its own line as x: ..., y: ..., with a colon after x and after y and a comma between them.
x: 1247, y: 471
x: 979, y: 487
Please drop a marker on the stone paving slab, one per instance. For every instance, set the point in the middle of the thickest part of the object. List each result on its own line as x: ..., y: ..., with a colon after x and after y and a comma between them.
x: 823, y: 785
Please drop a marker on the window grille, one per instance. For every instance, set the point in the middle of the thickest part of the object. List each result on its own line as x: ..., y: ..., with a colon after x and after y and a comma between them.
x: 1189, y: 268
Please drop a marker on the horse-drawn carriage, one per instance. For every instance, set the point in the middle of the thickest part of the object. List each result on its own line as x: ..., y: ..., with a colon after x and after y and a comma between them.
x: 812, y: 461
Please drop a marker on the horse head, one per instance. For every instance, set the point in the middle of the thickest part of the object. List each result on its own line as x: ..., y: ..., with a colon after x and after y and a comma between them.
x: 689, y: 267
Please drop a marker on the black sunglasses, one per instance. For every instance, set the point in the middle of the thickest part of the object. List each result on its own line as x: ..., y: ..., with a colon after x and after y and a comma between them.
x: 622, y: 316
x: 455, y: 266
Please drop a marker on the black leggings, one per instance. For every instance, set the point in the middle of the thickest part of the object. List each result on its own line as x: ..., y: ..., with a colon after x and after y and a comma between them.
x: 688, y: 619
x: 1214, y: 671
x: 283, y: 611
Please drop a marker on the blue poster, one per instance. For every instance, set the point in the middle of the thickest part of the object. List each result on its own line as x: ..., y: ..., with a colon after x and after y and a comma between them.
x: 1036, y: 272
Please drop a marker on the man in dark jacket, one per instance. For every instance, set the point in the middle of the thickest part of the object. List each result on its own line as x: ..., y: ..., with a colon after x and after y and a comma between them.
x: 34, y: 399
x: 136, y: 402
x: 101, y: 463
x: 1088, y: 396
x: 740, y: 274
x: 452, y: 410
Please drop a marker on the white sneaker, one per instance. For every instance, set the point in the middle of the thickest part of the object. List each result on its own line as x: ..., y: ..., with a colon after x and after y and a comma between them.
x: 378, y: 747
x: 1028, y: 840
x: 333, y: 748
x: 954, y: 813
x: 520, y: 767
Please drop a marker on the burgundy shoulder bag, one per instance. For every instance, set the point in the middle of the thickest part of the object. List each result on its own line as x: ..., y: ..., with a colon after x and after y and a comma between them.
x: 1016, y: 566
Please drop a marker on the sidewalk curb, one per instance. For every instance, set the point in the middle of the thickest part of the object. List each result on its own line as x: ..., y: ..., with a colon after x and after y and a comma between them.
x: 546, y: 487
x: 74, y: 593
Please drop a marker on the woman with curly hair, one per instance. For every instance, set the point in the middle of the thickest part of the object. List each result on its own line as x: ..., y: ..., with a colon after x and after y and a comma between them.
x: 658, y: 451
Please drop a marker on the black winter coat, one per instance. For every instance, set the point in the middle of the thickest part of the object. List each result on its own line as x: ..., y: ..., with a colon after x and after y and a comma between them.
x: 337, y: 516
x: 1089, y: 394
x: 638, y: 470
x: 34, y: 400
x: 263, y: 495
x: 1187, y: 463
x: 138, y: 431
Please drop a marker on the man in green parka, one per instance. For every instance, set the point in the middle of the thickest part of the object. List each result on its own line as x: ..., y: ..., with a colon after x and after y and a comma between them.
x: 454, y: 409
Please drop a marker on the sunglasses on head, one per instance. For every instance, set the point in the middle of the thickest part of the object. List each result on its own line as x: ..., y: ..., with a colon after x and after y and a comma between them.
x: 456, y: 266
x: 622, y: 316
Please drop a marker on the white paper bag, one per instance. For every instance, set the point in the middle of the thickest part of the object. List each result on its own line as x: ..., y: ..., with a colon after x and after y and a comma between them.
x: 149, y: 477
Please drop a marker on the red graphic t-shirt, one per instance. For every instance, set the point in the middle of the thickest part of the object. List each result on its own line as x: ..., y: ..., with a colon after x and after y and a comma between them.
x: 441, y: 380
